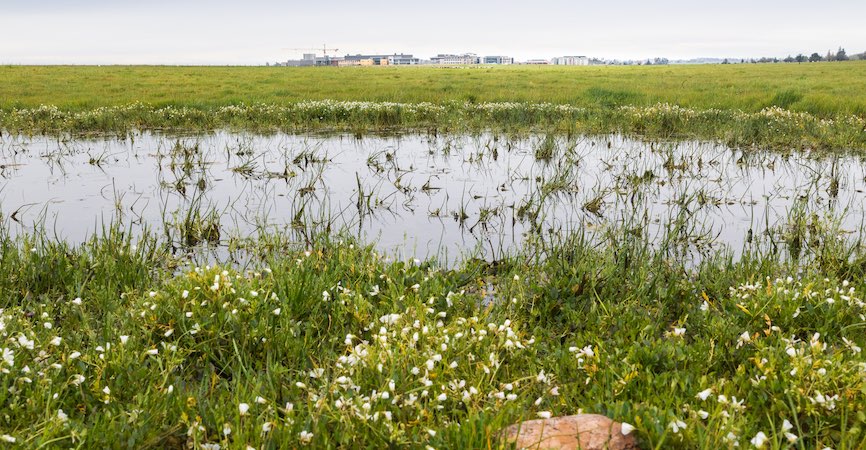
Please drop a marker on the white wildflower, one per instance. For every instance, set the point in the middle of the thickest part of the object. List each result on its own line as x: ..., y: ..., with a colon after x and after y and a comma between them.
x: 8, y: 356
x: 626, y: 429
x: 24, y: 342
x: 759, y: 439
x: 786, y: 429
x: 677, y: 425
x: 541, y: 377
x: 744, y: 339
x: 305, y: 436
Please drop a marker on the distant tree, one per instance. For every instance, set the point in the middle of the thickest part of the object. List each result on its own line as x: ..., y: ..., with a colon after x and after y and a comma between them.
x: 815, y: 57
x: 789, y: 59
x: 801, y: 58
x: 830, y: 56
x: 726, y: 61
x: 841, y: 55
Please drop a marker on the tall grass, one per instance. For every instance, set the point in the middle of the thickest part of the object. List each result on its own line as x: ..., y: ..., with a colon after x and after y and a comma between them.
x: 331, y: 344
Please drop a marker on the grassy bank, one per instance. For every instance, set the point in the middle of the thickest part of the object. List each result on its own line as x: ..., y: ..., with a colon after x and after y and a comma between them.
x: 821, y: 89
x: 112, y: 344
x: 773, y: 128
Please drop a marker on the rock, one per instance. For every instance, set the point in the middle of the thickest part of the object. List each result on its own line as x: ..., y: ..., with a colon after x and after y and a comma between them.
x: 581, y: 431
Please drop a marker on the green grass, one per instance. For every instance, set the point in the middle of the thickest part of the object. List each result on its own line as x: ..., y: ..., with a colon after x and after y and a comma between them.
x: 822, y: 89
x: 155, y: 355
x: 808, y: 106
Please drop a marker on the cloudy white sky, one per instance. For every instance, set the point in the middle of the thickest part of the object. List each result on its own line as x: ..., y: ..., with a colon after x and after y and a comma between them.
x: 256, y: 31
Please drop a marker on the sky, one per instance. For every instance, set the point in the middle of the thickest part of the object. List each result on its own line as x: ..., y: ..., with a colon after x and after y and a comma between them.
x: 253, y: 32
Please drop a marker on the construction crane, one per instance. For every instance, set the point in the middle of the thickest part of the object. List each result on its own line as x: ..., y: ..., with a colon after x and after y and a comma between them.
x: 325, y: 50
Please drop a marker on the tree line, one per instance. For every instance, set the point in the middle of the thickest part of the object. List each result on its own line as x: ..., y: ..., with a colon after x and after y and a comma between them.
x: 838, y: 55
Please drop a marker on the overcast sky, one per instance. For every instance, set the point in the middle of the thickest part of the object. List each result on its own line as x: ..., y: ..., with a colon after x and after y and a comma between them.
x: 256, y: 31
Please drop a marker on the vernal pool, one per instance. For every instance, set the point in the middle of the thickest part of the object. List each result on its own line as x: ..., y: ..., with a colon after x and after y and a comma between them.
x: 420, y: 195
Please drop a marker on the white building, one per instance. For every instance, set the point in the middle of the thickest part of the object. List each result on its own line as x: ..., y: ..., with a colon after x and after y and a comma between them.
x: 448, y: 59
x: 498, y: 60
x: 402, y: 60
x: 385, y: 60
x: 570, y: 61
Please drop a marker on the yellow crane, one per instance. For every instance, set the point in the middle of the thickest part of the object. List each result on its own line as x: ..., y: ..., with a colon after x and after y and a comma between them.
x: 325, y: 50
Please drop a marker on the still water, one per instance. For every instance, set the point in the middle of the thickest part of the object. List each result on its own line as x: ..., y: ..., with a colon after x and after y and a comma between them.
x: 418, y: 195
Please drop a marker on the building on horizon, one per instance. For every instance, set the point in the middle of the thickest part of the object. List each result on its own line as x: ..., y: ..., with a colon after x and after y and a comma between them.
x: 310, y: 60
x: 403, y: 60
x: 536, y: 61
x: 570, y: 61
x: 498, y: 60
x: 451, y: 59
x: 384, y: 60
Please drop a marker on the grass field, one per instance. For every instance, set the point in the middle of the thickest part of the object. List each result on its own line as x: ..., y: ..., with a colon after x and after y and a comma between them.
x: 778, y: 106
x: 112, y: 344
x: 822, y: 89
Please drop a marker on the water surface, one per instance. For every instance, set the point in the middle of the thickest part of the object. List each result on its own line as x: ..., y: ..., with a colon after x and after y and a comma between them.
x: 418, y: 195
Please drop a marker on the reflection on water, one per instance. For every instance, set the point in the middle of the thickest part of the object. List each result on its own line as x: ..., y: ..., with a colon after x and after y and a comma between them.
x: 418, y: 195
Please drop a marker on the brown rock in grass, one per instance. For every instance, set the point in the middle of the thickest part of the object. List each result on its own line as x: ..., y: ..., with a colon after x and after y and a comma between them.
x: 581, y: 431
